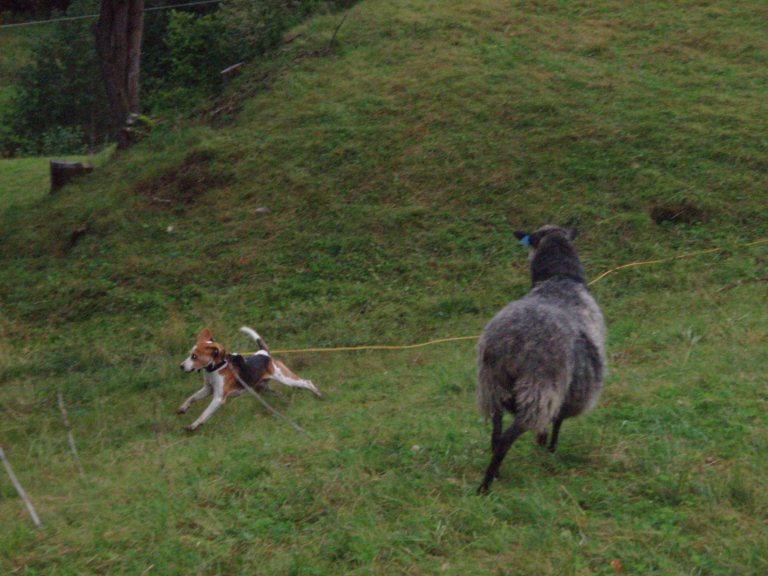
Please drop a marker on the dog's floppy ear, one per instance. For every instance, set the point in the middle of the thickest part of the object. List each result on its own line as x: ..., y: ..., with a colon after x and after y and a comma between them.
x: 205, y: 334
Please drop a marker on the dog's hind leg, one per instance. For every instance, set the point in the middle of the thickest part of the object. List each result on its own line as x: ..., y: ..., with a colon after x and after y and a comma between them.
x: 236, y: 393
x: 199, y: 395
x: 283, y: 375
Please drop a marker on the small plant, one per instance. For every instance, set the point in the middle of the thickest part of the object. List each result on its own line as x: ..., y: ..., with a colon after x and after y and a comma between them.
x: 691, y: 339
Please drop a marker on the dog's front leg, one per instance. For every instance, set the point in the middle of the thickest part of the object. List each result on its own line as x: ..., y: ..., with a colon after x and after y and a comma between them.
x: 216, y: 403
x: 199, y: 395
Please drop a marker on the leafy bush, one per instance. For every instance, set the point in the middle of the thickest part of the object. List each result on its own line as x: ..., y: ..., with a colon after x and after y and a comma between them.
x: 197, y: 46
x: 186, y: 67
x: 32, y: 6
x: 196, y: 49
x: 255, y: 27
x: 63, y: 140
x: 59, y: 104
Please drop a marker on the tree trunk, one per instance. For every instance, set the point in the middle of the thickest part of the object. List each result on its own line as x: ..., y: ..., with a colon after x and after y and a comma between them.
x: 118, y: 43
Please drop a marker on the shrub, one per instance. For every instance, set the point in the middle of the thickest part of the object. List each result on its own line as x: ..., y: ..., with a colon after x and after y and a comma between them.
x: 59, y: 104
x: 255, y: 27
x: 196, y: 49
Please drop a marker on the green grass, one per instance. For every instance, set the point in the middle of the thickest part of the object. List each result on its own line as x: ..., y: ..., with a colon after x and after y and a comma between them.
x: 394, y: 168
x: 25, y: 181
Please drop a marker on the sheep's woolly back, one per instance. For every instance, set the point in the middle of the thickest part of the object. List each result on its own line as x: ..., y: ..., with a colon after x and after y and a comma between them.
x: 544, y: 355
x: 525, y: 362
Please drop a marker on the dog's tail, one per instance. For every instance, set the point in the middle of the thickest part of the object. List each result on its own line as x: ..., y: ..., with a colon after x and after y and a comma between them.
x: 255, y: 336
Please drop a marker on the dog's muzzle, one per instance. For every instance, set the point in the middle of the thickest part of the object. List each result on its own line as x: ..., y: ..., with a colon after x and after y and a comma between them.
x: 187, y: 366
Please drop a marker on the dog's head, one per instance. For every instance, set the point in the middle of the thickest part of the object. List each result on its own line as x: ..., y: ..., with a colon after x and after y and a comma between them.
x: 206, y: 353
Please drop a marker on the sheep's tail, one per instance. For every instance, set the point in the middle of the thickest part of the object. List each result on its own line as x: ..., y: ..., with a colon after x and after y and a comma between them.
x: 486, y: 395
x: 255, y: 336
x: 536, y: 404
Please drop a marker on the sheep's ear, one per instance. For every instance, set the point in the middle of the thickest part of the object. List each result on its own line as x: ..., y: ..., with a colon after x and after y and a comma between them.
x: 523, y: 237
x: 573, y: 233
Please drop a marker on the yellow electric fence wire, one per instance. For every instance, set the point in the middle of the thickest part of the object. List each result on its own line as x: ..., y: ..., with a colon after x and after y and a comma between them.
x: 458, y: 338
x: 646, y: 262
x: 378, y: 346
x: 659, y: 261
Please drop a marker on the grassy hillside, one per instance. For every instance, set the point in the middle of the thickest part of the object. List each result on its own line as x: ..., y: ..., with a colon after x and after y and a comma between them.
x: 394, y: 167
x: 25, y: 181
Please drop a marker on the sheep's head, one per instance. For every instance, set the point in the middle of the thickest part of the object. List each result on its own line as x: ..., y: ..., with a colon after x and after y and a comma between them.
x: 533, y: 239
x: 551, y: 252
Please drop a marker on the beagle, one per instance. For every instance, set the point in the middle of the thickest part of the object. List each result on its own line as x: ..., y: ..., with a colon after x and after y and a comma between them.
x: 224, y: 373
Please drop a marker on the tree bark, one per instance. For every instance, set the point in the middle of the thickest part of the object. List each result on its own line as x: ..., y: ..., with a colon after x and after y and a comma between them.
x: 118, y: 42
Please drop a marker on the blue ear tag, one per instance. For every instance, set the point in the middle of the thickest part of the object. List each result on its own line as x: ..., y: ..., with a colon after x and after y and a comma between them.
x: 525, y: 240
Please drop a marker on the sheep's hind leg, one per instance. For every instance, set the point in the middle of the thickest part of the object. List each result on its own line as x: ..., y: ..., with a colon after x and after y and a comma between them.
x: 555, y: 434
x: 499, y: 452
x: 498, y: 420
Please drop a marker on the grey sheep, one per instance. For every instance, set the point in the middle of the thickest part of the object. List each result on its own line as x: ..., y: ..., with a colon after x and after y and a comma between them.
x: 542, y: 357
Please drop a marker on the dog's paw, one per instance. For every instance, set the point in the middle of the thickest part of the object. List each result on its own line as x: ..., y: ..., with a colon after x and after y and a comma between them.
x: 181, y: 410
x: 190, y: 428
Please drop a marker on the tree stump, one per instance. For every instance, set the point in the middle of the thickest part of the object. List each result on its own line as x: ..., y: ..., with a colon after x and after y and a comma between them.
x: 64, y: 172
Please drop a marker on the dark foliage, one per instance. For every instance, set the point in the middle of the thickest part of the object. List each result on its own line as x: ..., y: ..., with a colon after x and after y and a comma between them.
x: 60, y: 104
x: 33, y: 6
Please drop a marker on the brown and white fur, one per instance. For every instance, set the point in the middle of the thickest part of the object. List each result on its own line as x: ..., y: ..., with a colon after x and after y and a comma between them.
x: 224, y: 372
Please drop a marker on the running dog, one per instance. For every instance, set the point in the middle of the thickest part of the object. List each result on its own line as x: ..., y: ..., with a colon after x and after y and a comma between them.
x: 226, y: 373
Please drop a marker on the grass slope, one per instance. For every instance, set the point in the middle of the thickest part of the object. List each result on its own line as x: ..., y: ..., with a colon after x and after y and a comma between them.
x: 393, y: 168
x: 27, y: 181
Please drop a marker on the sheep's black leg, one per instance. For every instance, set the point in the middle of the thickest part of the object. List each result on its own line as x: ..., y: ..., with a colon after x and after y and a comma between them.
x: 499, y: 451
x: 541, y: 439
x: 498, y: 419
x: 555, y: 434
